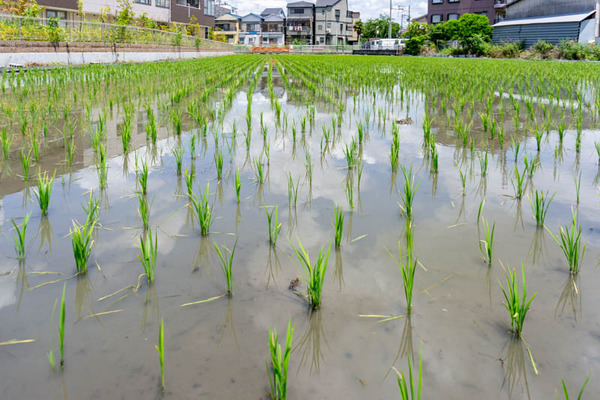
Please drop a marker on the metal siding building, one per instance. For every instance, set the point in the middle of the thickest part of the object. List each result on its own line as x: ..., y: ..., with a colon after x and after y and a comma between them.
x: 552, y: 29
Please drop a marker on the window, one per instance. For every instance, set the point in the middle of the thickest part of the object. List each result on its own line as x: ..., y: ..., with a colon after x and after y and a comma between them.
x: 297, y: 11
x: 148, y: 2
x: 329, y: 25
x: 193, y: 3
x: 163, y: 3
x: 452, y: 16
x: 436, y: 18
x: 56, y: 14
x: 209, y: 7
x: 181, y: 2
x: 320, y: 27
x: 437, y: 1
x: 484, y: 13
x: 453, y: 1
x: 341, y: 28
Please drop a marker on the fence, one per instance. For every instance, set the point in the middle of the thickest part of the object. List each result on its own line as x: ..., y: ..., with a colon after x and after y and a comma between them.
x: 323, y: 49
x: 54, y: 30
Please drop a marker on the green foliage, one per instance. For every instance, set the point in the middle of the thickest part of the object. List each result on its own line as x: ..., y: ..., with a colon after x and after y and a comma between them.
x: 20, y: 237
x: 279, y: 363
x: 226, y: 259
x: 407, y: 388
x: 516, y: 303
x: 82, y: 241
x: 149, y: 253
x: 314, y: 276
x: 380, y: 27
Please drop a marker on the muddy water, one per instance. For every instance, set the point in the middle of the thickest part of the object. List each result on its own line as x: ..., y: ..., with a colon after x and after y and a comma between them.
x: 218, y: 350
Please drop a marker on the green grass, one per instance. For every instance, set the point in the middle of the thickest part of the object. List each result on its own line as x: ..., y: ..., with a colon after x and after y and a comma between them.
x: 338, y: 221
x: 19, y: 237
x: 161, y: 353
x: 314, y: 275
x: 409, y: 191
x: 278, y: 373
x: 149, y: 254
x: 226, y: 262
x: 44, y: 191
x: 204, y: 211
x: 273, y: 225
x: 539, y: 206
x: 516, y: 302
x: 569, y: 241
x: 409, y: 389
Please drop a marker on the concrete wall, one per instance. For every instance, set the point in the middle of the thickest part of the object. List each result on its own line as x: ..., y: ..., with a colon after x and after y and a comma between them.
x: 538, y: 8
x: 76, y: 58
x: 587, y: 31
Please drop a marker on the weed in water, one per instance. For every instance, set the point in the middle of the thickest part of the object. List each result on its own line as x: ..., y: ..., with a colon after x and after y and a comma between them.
x: 314, y: 275
x: 516, y: 303
x: 226, y: 259
x: 569, y: 241
x: 149, y: 253
x: 278, y: 373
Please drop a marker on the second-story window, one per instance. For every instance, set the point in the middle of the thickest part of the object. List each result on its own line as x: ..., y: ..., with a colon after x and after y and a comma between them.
x: 163, y: 3
x: 148, y: 2
x: 437, y: 1
x: 436, y: 18
x: 209, y: 7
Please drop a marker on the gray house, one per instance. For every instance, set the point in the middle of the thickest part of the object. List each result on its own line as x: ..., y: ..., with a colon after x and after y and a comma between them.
x: 333, y: 22
x: 548, y: 20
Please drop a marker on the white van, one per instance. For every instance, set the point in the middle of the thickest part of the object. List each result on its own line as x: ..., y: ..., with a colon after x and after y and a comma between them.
x: 388, y: 44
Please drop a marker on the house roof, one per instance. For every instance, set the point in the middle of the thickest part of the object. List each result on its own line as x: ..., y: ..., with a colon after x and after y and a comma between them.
x: 550, y: 19
x: 228, y: 17
x: 270, y: 11
x: 300, y: 4
x: 325, y: 3
x: 274, y: 17
x: 250, y: 15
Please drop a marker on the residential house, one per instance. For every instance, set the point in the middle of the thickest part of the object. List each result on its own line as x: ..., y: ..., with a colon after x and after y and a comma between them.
x: 332, y: 21
x: 355, y: 17
x: 300, y: 22
x: 446, y: 10
x: 273, y: 27
x: 251, y: 30
x: 163, y: 11
x: 529, y: 21
x: 229, y: 25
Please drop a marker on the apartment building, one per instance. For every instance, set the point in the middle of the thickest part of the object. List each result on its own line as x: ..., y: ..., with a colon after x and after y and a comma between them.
x: 354, y: 37
x: 332, y: 21
x: 164, y: 11
x: 446, y: 10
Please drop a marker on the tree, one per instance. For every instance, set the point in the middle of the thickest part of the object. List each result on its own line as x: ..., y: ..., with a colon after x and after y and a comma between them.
x: 474, y: 32
x: 359, y: 28
x: 418, y: 35
x: 125, y: 13
x: 379, y: 27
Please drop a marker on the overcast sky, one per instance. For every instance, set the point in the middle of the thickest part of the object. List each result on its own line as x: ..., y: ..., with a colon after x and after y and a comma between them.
x: 368, y: 8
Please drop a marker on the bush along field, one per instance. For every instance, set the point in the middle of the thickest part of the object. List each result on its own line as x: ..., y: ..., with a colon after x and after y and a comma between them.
x: 258, y: 226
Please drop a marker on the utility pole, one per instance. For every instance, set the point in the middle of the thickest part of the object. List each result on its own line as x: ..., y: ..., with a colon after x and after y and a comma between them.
x: 390, y: 31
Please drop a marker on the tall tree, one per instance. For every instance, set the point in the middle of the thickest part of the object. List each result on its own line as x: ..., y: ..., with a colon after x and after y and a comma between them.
x: 379, y: 27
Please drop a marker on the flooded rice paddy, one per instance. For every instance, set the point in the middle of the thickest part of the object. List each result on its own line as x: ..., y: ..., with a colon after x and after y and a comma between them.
x: 291, y: 126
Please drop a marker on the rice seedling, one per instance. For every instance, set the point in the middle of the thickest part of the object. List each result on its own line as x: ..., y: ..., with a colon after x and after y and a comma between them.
x: 273, y: 225
x: 70, y: 148
x: 530, y: 165
x: 292, y: 191
x: 278, y: 373
x: 483, y: 164
x: 566, y: 392
x: 309, y: 169
x: 219, y: 157
x: 149, y: 254
x: 6, y: 143
x: 204, y: 211
x: 577, y: 186
x: 486, y: 246
x: 192, y: 145
x: 226, y: 262
x: 314, y: 275
x: 409, y: 192
x: 82, y: 242
x: 238, y: 185
x: 463, y: 181
x: 188, y: 177
x: 539, y: 207
x: 61, y: 327
x: 178, y: 154
x: 519, y: 183
x: 19, y: 237
x: 338, y: 222
x: 539, y: 135
x: 350, y: 193
x: 516, y: 303
x: 597, y: 145
x: 44, y: 191
x: 143, y: 211
x: 407, y: 266
x: 516, y: 145
x: 25, y: 163
x: 411, y: 390
x: 161, y: 353
x: 150, y: 127
x: 569, y: 241
x: 126, y: 135
x: 259, y: 173
x: 176, y: 120
x: 142, y: 177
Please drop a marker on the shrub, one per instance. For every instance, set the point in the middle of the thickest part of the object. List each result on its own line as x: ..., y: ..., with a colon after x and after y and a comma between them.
x: 543, y: 48
x: 571, y: 50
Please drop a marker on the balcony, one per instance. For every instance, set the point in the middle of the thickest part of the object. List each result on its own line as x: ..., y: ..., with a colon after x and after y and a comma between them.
x: 298, y: 30
x: 500, y: 3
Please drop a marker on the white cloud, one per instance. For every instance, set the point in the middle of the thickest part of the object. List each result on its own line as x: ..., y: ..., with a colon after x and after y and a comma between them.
x: 368, y: 8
